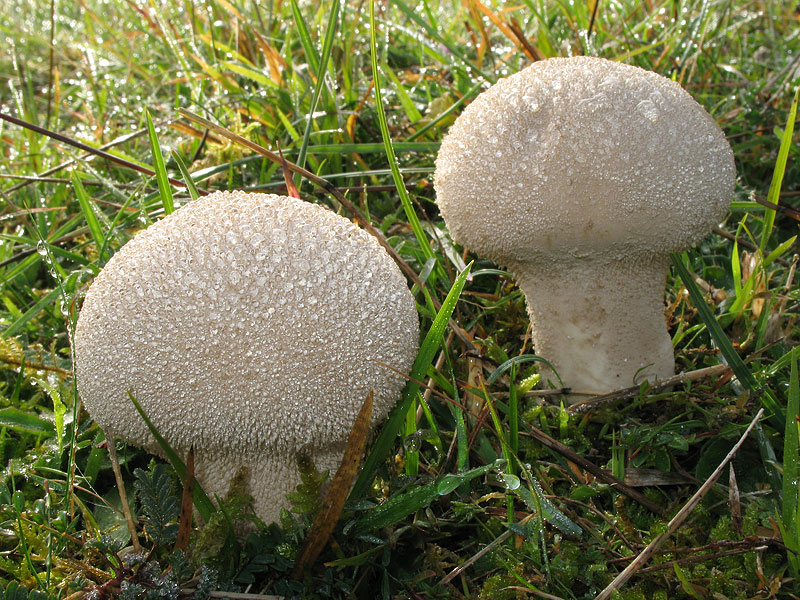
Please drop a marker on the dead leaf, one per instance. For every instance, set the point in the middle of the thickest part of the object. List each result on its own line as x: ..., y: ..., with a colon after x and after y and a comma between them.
x: 187, y: 503
x: 323, y: 526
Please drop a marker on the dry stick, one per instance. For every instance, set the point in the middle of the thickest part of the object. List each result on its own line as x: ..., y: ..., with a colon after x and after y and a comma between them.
x: 498, y: 540
x: 86, y: 148
x: 634, y: 390
x: 331, y: 189
x: 123, y: 496
x: 746, y: 243
x: 457, y: 571
x: 678, y: 519
x: 60, y: 167
x: 602, y: 475
x: 692, y: 560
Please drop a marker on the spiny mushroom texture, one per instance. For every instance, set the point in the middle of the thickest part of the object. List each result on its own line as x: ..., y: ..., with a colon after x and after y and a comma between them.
x: 581, y: 175
x: 252, y: 326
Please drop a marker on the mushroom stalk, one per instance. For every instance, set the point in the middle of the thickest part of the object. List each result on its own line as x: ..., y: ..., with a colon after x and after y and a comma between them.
x: 268, y: 478
x: 599, y: 323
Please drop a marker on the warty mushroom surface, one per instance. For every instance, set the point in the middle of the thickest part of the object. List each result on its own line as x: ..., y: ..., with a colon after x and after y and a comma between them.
x: 252, y: 326
x: 581, y: 175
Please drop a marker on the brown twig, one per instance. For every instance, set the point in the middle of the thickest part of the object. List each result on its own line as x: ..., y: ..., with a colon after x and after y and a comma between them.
x: 690, y: 560
x: 748, y: 543
x: 36, y: 366
x: 123, y: 496
x: 677, y: 520
x: 86, y: 148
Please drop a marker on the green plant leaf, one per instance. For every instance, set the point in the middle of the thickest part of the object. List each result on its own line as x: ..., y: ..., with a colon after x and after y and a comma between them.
x: 394, y: 423
x: 327, y: 48
x: 164, y: 188
x: 90, y: 216
x: 730, y: 355
x: 187, y: 177
x: 201, y: 501
x: 25, y: 421
x: 399, y: 183
x: 773, y: 195
x: 790, y: 496
x: 398, y: 508
x: 155, y: 490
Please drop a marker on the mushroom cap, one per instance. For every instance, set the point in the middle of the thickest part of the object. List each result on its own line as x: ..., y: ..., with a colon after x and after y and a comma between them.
x: 579, y: 156
x: 245, y: 323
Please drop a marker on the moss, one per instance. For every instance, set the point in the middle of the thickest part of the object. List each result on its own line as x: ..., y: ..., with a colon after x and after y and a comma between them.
x: 495, y: 588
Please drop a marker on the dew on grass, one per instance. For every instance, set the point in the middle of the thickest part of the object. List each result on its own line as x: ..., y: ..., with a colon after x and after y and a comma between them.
x: 447, y: 484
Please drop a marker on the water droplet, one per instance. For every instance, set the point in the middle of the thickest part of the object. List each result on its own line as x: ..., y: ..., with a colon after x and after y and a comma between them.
x: 413, y: 442
x: 447, y: 484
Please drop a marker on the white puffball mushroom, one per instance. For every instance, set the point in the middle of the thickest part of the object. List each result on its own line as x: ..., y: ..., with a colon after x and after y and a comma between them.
x: 253, y: 326
x: 581, y: 175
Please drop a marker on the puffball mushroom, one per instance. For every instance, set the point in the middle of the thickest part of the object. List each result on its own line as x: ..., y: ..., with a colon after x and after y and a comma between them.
x: 581, y: 175
x: 253, y: 326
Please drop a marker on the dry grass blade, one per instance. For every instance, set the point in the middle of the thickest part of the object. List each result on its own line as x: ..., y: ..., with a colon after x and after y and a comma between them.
x: 291, y: 188
x: 634, y: 390
x: 123, y: 496
x: 677, y: 520
x: 86, y: 148
x: 601, y: 474
x: 328, y: 516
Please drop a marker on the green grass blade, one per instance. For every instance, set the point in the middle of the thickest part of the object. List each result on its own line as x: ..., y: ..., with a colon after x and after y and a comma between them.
x: 412, y: 113
x: 25, y: 421
x: 777, y: 175
x: 790, y: 497
x: 408, y: 207
x: 327, y: 48
x: 34, y: 310
x: 517, y: 360
x: 187, y: 177
x: 394, y: 423
x: 201, y: 501
x: 736, y: 267
x: 411, y: 454
x: 89, y: 215
x: 733, y: 359
x: 305, y: 38
x: 782, y: 249
x: 398, y: 508
x: 434, y: 35
x: 158, y: 166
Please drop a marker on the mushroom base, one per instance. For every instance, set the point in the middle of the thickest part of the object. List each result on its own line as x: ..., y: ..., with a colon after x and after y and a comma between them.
x: 266, y: 478
x: 600, y: 324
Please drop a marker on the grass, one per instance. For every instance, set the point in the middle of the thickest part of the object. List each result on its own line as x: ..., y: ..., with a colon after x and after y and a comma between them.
x: 470, y: 490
